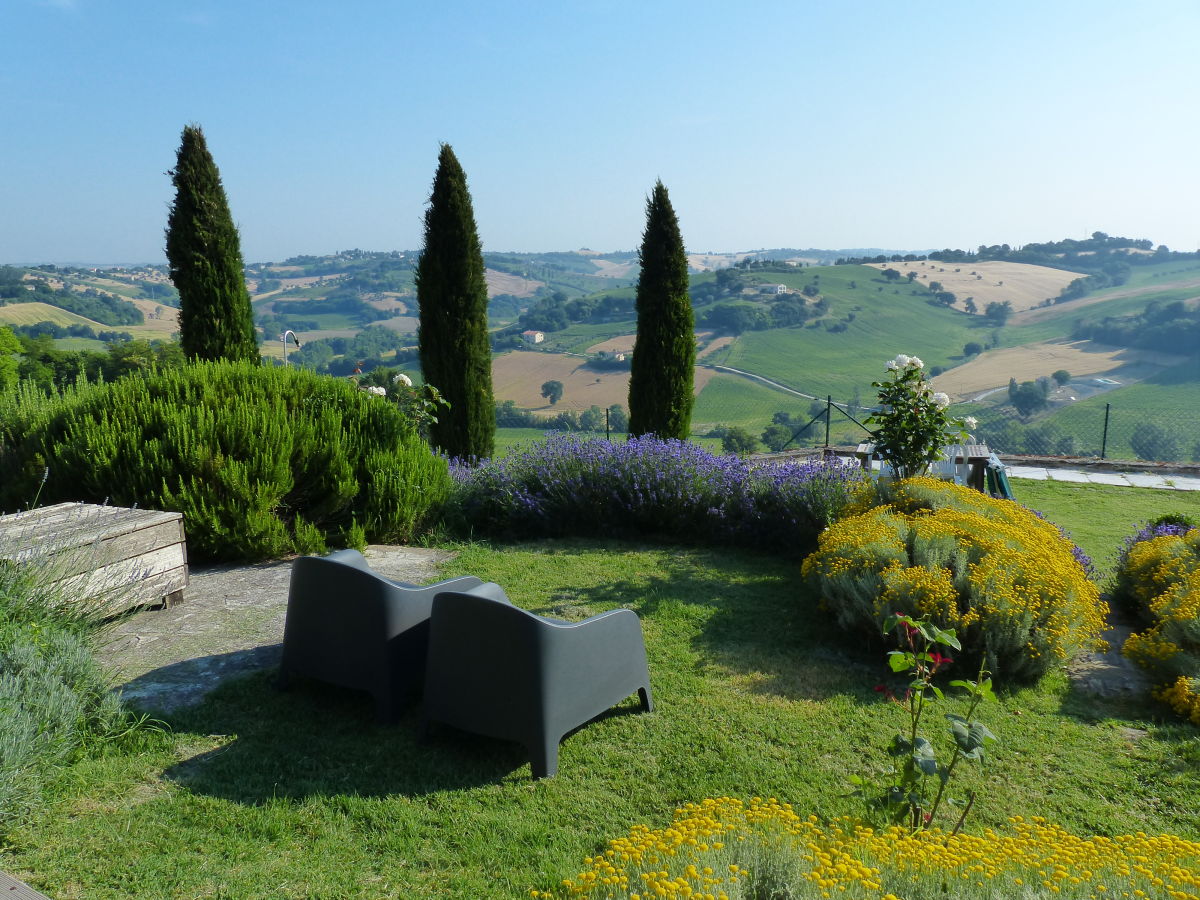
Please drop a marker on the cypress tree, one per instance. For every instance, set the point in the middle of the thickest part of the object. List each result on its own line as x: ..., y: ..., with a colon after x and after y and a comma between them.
x: 456, y: 355
x: 216, y: 320
x: 660, y: 383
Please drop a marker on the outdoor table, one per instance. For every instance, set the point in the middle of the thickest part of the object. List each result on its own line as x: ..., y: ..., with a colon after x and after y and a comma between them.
x: 974, y: 456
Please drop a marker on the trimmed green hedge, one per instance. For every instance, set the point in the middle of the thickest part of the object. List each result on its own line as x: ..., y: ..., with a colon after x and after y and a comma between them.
x: 261, y: 461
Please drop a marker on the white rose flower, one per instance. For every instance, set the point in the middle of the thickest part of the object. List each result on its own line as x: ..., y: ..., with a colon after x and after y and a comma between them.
x: 915, y: 362
x: 376, y: 391
x: 902, y: 361
x: 402, y: 379
x: 891, y: 366
x: 970, y: 421
x: 941, y: 400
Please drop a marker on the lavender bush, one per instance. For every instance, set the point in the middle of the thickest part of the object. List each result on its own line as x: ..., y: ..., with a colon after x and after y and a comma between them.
x: 648, y: 487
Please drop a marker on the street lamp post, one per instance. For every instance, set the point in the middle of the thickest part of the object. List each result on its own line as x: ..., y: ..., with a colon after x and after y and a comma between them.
x: 283, y: 337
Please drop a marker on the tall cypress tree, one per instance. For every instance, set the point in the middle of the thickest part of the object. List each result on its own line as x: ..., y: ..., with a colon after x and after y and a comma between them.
x: 660, y: 383
x: 456, y: 355
x: 216, y: 320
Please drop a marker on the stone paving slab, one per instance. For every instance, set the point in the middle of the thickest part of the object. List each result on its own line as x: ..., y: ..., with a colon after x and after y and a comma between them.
x: 230, y: 623
x: 1116, y: 479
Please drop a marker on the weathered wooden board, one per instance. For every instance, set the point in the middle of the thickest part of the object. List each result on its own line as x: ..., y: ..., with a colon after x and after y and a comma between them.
x: 135, y: 557
x: 19, y: 890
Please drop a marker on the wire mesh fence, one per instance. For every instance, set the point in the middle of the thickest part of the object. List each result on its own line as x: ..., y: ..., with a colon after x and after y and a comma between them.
x: 1112, y: 431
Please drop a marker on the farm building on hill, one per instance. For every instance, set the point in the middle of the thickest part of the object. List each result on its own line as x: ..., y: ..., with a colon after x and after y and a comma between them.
x: 533, y: 337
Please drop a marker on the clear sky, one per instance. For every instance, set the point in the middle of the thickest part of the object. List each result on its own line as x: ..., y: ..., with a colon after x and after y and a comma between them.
x: 773, y: 124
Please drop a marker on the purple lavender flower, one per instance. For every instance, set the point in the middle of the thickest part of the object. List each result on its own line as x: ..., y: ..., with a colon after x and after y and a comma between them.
x: 650, y: 486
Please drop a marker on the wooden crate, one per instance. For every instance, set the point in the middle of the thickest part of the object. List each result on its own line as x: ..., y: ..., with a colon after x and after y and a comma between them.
x: 131, y: 557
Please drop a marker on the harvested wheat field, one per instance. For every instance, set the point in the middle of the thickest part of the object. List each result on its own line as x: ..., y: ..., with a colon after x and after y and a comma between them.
x: 608, y: 268
x: 622, y: 343
x: 994, y: 368
x: 159, y: 320
x: 519, y: 376
x: 504, y: 283
x: 1022, y: 285
x: 32, y: 313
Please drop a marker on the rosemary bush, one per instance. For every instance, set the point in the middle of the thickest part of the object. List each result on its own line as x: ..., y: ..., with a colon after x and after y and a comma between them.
x: 260, y: 461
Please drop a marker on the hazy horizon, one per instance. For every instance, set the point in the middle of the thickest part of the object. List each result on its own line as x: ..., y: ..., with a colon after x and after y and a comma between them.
x: 778, y: 125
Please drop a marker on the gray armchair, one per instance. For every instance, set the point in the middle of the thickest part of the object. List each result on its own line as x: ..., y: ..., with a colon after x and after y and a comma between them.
x: 498, y: 670
x: 350, y: 626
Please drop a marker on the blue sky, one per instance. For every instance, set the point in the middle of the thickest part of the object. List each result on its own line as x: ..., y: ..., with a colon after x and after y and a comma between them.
x: 801, y: 124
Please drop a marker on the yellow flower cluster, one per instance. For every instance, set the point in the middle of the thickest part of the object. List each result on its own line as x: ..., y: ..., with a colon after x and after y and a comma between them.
x: 1153, y: 567
x: 1162, y: 577
x: 1004, y: 580
x: 719, y: 848
x: 1183, y: 696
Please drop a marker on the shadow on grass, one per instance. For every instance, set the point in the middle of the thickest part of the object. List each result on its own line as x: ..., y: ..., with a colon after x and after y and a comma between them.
x: 744, y: 623
x: 761, y: 625
x: 317, y: 740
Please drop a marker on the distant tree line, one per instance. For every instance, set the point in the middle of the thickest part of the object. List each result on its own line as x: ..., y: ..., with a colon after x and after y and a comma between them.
x: 343, y: 301
x: 372, y: 347
x: 879, y: 258
x: 1088, y: 255
x: 41, y: 364
x: 591, y: 419
x: 1171, y: 327
x: 78, y: 330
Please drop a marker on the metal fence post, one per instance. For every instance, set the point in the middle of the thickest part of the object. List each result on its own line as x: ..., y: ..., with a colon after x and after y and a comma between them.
x: 828, y: 416
x: 1104, y: 439
x: 607, y: 433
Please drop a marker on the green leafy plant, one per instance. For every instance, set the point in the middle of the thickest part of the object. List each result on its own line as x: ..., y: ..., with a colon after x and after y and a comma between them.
x: 913, y: 428
x: 261, y: 461
x: 910, y: 797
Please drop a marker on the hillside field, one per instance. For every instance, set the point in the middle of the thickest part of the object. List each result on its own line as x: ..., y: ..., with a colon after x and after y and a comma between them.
x: 32, y: 313
x: 1022, y: 285
x: 520, y: 374
x: 993, y: 368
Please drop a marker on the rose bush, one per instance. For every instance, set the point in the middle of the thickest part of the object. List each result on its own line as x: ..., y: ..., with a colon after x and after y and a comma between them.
x: 912, y: 427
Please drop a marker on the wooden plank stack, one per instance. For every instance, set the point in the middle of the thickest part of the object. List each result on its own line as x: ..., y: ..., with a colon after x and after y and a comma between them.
x: 127, y: 557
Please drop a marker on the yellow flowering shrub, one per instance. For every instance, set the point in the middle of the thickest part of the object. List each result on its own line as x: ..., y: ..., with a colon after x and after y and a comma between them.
x: 1005, y: 581
x: 1160, y: 579
x: 725, y: 849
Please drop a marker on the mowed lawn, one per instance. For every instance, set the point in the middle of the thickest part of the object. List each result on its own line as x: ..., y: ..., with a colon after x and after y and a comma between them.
x: 258, y: 794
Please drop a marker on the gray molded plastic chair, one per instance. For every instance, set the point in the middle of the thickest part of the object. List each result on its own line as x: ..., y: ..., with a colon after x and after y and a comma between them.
x: 350, y: 626
x: 498, y: 670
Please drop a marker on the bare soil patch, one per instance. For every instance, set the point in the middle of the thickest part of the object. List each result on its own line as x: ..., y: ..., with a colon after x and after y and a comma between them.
x: 519, y: 376
x: 1022, y: 285
x: 994, y: 368
x: 504, y: 283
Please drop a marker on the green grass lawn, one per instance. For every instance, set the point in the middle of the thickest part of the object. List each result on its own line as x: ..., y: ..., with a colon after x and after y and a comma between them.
x: 1099, y: 517
x: 259, y: 794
